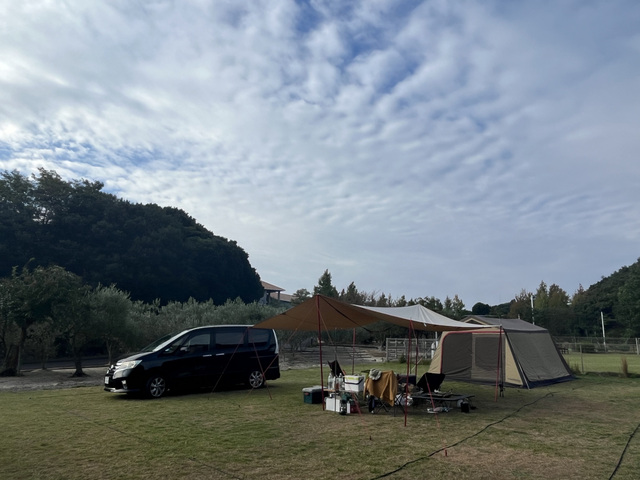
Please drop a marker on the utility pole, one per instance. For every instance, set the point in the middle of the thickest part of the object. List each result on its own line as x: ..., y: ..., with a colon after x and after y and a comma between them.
x: 604, y: 340
x: 533, y: 320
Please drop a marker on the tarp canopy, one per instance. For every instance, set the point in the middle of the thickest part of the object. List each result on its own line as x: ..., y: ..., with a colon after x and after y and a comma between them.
x: 334, y: 314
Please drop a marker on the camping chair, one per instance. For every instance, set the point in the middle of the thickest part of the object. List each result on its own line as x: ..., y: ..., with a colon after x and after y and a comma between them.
x: 430, y: 382
x: 383, y: 387
x: 336, y: 369
x: 374, y: 405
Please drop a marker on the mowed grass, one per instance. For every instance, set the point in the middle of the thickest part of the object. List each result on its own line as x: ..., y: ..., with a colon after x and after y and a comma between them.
x: 603, y: 363
x: 581, y: 429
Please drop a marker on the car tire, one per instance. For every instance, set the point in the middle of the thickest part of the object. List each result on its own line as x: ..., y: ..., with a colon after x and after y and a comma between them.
x: 256, y: 379
x: 156, y: 386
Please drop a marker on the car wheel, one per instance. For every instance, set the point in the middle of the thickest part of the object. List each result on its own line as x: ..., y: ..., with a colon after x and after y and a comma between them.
x: 256, y: 379
x: 156, y: 386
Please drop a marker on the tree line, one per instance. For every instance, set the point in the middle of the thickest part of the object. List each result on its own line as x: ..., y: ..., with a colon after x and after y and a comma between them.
x: 49, y: 312
x: 616, y: 296
x: 149, y: 251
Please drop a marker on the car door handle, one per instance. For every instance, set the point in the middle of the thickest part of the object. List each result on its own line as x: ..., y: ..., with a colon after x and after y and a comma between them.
x: 207, y: 355
x: 219, y: 354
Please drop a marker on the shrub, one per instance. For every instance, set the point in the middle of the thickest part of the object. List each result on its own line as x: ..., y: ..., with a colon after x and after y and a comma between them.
x: 625, y: 367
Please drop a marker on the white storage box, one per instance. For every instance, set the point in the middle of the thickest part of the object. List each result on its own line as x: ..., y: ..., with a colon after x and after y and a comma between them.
x: 332, y: 404
x: 354, y: 383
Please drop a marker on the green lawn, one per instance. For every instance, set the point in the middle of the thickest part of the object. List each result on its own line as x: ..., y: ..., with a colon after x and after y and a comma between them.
x: 577, y: 429
x: 603, y: 362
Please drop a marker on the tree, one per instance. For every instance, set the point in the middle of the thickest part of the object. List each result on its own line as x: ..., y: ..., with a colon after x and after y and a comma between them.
x: 300, y: 296
x: 481, y: 309
x: 382, y: 301
x: 541, y: 297
x: 352, y: 295
x: 325, y: 287
x: 72, y: 316
x: 520, y: 306
x: 628, y: 305
x: 447, y: 307
x: 457, y: 308
x: 41, y: 338
x: 558, y: 316
x: 401, y: 302
x: 31, y: 297
x: 9, y: 332
x: 432, y: 303
x: 110, y: 310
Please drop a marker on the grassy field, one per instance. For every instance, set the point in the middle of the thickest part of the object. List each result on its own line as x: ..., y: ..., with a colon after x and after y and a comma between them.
x: 599, y: 362
x: 581, y: 429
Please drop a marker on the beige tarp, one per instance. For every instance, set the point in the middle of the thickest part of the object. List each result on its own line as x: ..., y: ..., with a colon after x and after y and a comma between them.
x: 324, y: 313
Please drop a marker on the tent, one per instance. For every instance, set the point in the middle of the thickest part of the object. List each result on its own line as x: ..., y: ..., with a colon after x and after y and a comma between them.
x: 324, y: 313
x: 514, y: 353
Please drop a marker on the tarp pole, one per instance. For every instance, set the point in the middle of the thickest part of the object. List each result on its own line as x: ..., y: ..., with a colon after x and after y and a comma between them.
x: 353, y: 356
x: 320, y: 343
x: 417, y: 356
x: 406, y: 383
x: 499, y: 363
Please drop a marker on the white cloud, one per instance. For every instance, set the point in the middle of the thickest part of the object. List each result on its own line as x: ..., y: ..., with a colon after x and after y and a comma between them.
x: 422, y: 149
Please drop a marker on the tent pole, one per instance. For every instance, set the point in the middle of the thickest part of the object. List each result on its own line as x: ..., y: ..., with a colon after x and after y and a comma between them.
x: 406, y: 383
x: 417, y: 355
x: 353, y: 356
x: 320, y: 343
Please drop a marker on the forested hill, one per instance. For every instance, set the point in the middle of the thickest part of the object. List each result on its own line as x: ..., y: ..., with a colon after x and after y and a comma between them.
x: 617, y: 297
x: 149, y: 251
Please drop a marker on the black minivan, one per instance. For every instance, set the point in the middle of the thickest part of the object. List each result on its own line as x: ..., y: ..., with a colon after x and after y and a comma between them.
x: 198, y: 357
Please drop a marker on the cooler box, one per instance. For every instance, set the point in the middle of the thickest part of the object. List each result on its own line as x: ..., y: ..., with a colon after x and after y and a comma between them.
x: 354, y: 383
x: 312, y: 394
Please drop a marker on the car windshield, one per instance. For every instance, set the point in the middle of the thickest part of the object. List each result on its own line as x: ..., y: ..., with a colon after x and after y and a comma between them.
x: 158, y: 344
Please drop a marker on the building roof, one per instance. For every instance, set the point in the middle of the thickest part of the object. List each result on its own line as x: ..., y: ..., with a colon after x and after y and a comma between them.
x: 270, y: 287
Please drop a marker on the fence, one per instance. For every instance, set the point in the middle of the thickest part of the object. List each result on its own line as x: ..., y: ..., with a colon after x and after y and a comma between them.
x: 597, y: 345
x: 397, y: 348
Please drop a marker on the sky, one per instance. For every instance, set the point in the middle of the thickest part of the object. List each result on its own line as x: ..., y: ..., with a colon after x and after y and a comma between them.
x: 416, y: 148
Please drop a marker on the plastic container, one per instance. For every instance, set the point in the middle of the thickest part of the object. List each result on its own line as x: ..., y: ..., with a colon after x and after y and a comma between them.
x: 312, y: 394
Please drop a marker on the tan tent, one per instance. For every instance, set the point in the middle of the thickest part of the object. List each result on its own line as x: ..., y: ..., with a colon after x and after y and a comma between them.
x: 518, y: 354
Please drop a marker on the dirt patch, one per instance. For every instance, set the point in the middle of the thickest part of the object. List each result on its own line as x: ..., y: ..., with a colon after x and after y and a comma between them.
x: 52, y: 379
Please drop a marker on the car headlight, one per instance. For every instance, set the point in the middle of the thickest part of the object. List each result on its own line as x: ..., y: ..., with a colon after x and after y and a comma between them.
x: 122, y: 369
x: 127, y: 365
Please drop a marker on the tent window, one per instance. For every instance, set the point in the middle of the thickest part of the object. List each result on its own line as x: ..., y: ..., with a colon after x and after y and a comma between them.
x: 486, y: 352
x: 458, y: 355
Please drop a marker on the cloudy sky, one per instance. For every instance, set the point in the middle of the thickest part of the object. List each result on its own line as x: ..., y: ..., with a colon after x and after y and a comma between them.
x: 414, y: 148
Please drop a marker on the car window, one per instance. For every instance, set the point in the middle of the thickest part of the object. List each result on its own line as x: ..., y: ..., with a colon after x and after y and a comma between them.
x: 229, y: 339
x: 259, y: 337
x: 175, y: 345
x: 199, y: 343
